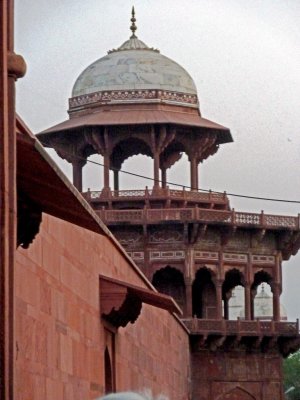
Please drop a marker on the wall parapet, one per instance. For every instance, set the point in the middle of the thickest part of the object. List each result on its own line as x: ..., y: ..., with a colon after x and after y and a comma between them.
x: 241, y: 327
x: 205, y: 216
x: 157, y: 194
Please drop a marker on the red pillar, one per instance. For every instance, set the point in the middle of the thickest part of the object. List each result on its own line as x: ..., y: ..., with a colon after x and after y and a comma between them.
x: 276, y: 302
x: 77, y: 173
x: 156, y: 169
x: 164, y: 177
x: 116, y: 180
x: 11, y: 68
x: 247, y: 302
x: 226, y: 308
x: 188, y: 298
x: 194, y: 173
x: 106, y: 171
x: 219, y: 299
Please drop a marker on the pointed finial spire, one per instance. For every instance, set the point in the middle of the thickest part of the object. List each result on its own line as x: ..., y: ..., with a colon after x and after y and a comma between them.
x: 133, y: 27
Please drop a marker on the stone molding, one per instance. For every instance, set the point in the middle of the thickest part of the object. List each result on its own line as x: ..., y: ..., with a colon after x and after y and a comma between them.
x: 133, y: 96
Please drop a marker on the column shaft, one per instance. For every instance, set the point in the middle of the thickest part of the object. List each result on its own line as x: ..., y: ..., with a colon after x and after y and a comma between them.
x: 194, y: 174
x: 164, y: 177
x: 219, y: 300
x: 247, y: 302
x: 276, y: 302
x: 189, y: 300
x: 156, y: 169
x: 77, y: 174
x: 106, y: 171
x: 116, y: 180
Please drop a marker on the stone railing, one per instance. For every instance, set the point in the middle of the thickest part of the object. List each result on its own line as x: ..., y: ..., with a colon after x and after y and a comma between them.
x: 205, y: 216
x: 241, y: 327
x: 161, y: 193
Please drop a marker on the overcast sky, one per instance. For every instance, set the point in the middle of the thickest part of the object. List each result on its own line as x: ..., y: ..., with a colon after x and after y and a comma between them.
x: 244, y: 57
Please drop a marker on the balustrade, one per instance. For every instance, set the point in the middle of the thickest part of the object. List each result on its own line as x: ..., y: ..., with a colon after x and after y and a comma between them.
x: 241, y: 327
x: 159, y: 193
x: 201, y: 215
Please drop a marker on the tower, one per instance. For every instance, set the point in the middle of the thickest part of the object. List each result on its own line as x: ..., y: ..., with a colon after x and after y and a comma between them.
x: 190, y: 244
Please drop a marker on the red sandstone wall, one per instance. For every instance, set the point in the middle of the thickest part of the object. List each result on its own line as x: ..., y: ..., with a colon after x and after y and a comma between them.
x: 236, y: 375
x: 60, y: 338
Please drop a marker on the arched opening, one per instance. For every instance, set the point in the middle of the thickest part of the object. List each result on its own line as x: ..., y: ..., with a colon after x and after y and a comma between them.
x: 132, y: 155
x: 236, y: 303
x: 140, y: 165
x: 170, y: 281
x: 263, y: 302
x: 93, y: 173
x: 204, y: 295
x: 262, y: 296
x: 174, y: 165
x: 179, y: 172
x: 108, y: 378
x: 233, y: 278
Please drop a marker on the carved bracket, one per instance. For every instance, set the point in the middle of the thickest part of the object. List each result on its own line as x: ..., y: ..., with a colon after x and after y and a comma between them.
x: 121, y: 303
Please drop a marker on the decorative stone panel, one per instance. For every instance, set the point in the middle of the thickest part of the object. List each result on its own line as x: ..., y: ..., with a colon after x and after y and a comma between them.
x: 167, y: 255
x: 235, y: 257
x: 136, y: 255
x: 206, y: 255
x: 261, y: 259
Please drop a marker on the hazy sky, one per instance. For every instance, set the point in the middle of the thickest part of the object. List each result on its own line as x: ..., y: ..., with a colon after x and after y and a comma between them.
x: 244, y: 57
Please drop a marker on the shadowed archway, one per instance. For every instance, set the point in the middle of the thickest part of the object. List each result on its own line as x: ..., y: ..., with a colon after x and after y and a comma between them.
x: 204, y: 295
x: 170, y: 280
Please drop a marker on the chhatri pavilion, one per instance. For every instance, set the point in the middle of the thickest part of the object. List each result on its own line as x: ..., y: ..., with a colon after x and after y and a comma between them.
x: 189, y: 243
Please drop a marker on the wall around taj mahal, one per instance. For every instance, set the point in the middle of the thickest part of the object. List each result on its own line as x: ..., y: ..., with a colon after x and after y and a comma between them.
x: 60, y: 339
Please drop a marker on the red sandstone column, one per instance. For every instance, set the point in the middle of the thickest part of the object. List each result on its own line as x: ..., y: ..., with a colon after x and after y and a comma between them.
x: 156, y: 169
x: 252, y: 294
x: 247, y: 302
x: 116, y: 180
x: 194, y: 173
x: 189, y: 298
x: 276, y: 301
x: 219, y: 299
x: 77, y: 173
x: 276, y: 289
x: 11, y: 68
x: 226, y: 310
x: 164, y: 177
x: 106, y: 171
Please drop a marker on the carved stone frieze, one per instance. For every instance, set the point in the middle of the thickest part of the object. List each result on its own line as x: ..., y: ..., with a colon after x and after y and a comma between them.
x: 240, y: 241
x: 166, y: 236
x: 128, y: 238
x: 211, y: 239
x: 266, y: 244
x: 132, y: 96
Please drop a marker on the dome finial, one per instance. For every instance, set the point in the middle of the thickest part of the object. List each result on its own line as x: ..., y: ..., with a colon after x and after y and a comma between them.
x: 133, y: 27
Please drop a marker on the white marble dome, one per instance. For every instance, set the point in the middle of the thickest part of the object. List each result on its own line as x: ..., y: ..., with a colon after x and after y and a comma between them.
x: 134, y: 66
